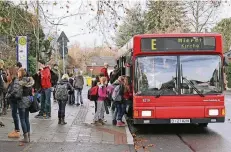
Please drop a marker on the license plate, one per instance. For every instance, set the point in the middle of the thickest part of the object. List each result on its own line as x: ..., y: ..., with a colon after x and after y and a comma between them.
x: 178, y: 121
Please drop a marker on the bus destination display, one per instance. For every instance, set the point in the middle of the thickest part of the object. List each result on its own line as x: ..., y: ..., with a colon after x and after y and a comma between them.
x: 178, y: 44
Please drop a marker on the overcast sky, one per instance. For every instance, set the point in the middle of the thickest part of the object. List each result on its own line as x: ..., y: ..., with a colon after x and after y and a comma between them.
x: 76, y: 27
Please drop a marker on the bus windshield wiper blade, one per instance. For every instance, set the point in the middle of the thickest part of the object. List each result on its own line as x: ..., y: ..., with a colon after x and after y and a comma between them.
x: 190, y: 83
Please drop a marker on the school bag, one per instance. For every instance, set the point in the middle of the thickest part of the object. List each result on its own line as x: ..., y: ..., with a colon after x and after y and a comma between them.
x: 61, y: 93
x: 117, y: 93
x: 34, y: 107
x: 93, y: 93
x: 110, y: 90
x: 46, y: 78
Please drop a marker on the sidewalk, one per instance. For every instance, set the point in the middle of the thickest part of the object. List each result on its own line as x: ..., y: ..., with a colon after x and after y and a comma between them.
x: 79, y: 131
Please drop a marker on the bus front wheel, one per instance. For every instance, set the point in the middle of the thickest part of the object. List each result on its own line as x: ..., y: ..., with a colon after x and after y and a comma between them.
x: 203, y: 125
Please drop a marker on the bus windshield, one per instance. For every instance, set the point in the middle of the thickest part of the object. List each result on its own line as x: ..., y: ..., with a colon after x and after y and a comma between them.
x: 178, y: 75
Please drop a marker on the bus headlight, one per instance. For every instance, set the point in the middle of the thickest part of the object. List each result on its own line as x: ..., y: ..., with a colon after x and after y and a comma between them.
x: 213, y: 112
x: 146, y: 113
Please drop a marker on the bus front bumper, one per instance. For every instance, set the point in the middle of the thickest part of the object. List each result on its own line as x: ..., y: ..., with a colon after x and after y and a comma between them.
x: 179, y: 121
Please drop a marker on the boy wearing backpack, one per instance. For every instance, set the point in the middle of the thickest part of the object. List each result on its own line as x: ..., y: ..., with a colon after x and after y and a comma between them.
x: 61, y: 95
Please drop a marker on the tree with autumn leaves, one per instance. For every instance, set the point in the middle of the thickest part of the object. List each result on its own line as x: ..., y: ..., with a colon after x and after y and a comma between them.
x: 17, y: 21
x: 80, y: 57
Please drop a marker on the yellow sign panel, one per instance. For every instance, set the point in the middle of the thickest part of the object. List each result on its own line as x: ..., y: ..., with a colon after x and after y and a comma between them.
x: 22, y: 41
x: 153, y: 44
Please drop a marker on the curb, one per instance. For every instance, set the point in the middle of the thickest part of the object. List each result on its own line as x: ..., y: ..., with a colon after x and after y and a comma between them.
x: 130, y: 140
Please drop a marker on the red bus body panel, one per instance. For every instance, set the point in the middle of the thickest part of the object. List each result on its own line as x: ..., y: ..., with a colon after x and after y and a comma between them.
x: 178, y: 106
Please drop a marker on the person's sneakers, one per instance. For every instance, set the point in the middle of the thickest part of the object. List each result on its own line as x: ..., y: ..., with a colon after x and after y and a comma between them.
x: 120, y: 124
x: 77, y: 104
x: 63, y: 121
x: 114, y: 122
x: 14, y: 134
x: 39, y: 116
x: 101, y: 122
x: 97, y: 123
x: 45, y: 116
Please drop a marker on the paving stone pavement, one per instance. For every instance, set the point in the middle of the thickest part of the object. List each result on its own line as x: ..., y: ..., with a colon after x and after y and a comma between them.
x: 79, y: 128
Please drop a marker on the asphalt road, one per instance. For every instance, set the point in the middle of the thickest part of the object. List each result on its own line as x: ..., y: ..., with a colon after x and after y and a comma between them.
x: 185, y: 138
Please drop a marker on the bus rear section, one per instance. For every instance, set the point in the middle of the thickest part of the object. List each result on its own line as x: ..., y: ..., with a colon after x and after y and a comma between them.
x: 180, y: 83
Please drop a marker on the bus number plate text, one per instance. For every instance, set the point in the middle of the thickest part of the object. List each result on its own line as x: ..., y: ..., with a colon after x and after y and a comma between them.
x: 179, y: 121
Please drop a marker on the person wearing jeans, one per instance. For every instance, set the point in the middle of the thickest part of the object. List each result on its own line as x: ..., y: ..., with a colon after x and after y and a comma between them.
x: 14, y: 110
x: 119, y: 81
x: 45, y: 77
x: 12, y: 89
x: 46, y: 102
x: 24, y: 103
x: 25, y: 123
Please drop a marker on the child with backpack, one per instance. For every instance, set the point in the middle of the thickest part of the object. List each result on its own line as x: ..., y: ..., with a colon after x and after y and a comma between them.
x: 102, y: 95
x: 62, y: 89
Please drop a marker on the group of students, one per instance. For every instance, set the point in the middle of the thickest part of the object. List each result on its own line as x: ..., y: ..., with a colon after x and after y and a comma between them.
x: 17, y: 87
x: 117, y: 95
x: 21, y: 90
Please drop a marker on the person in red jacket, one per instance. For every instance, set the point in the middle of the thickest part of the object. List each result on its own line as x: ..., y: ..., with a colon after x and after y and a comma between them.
x: 45, y: 75
x: 104, y: 71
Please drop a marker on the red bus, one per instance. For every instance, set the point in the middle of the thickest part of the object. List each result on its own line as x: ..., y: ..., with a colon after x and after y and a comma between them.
x: 177, y: 78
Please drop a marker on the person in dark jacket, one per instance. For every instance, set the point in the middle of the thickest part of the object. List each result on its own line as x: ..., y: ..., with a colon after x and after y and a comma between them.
x: 37, y: 78
x: 11, y: 97
x: 3, y: 81
x: 55, y: 76
x: 62, y: 104
x: 71, y: 93
x: 26, y: 84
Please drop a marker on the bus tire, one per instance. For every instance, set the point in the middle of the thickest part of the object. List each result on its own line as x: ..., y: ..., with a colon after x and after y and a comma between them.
x: 203, y: 125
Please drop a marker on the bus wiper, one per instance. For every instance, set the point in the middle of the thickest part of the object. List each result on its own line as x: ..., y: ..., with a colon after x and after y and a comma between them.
x: 190, y: 83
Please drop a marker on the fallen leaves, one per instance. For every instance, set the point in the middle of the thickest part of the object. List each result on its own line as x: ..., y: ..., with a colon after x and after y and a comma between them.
x: 21, y: 144
x: 141, y: 143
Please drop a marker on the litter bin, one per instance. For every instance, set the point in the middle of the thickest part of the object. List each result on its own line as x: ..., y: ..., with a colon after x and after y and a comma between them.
x: 88, y: 79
